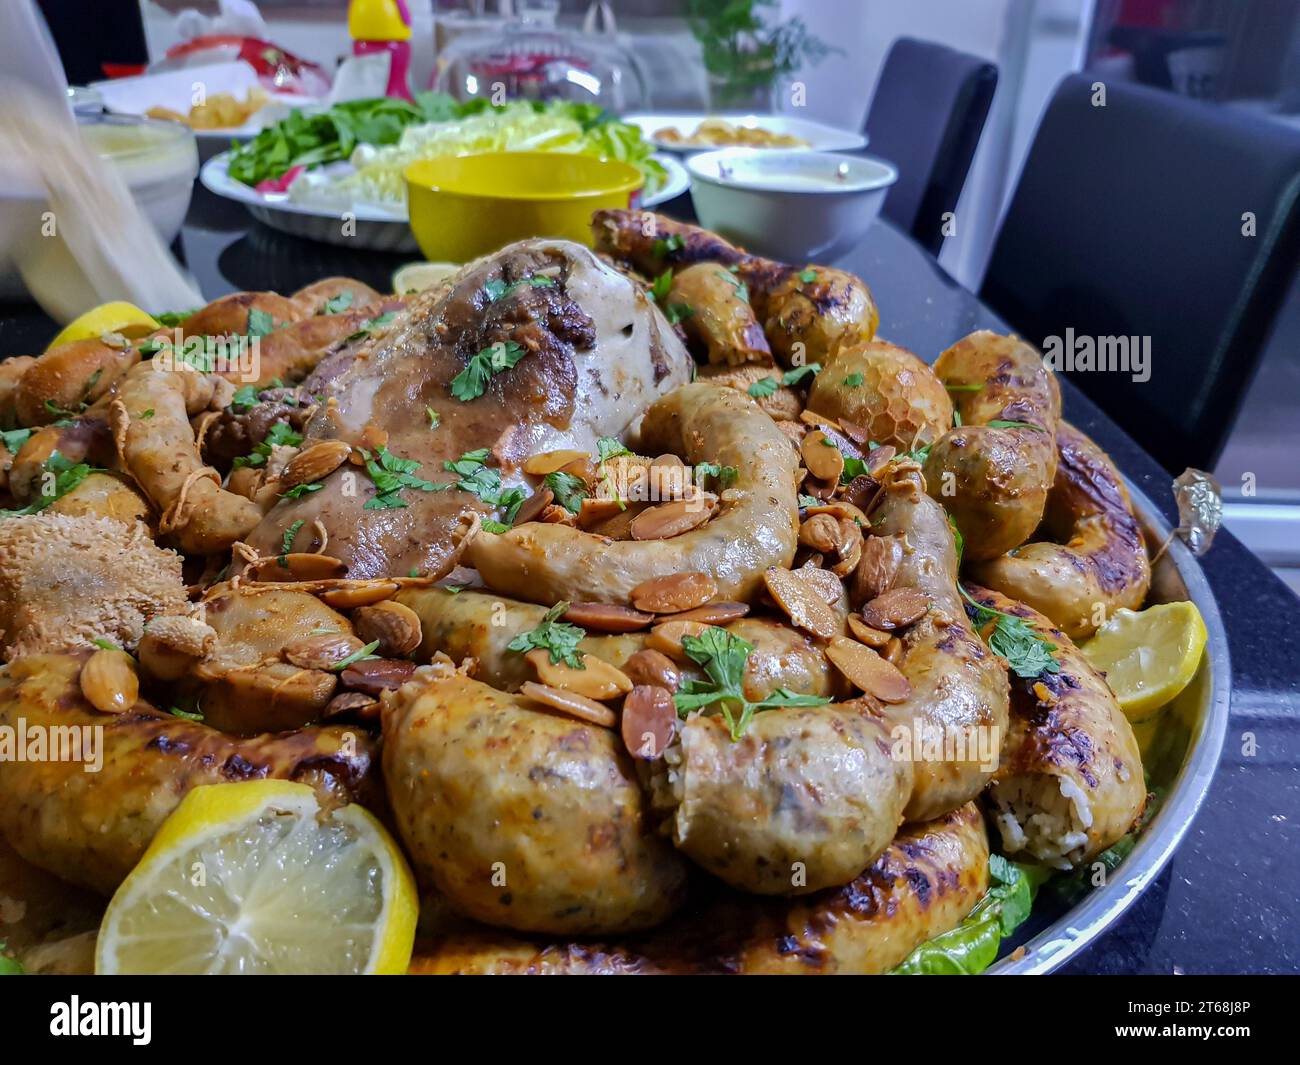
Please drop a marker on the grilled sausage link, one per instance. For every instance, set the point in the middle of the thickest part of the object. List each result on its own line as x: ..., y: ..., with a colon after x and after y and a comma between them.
x: 925, y: 882
x: 993, y: 471
x: 1099, y: 563
x: 1071, y: 783
x: 92, y: 827
x: 756, y: 525
x: 959, y: 686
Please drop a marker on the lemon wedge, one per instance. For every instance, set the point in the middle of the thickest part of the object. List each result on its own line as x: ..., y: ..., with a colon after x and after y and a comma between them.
x: 254, y: 878
x: 1148, y: 656
x: 416, y: 277
x: 116, y: 317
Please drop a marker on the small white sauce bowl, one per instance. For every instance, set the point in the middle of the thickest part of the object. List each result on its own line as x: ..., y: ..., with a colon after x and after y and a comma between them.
x: 797, y: 206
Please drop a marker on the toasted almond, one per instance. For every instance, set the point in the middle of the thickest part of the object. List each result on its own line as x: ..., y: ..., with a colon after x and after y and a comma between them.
x: 840, y: 508
x: 320, y: 651
x: 607, y: 617
x: 711, y: 613
x: 667, y: 459
x: 618, y: 526
x: 876, y: 638
x: 809, y: 417
x: 315, y: 462
x: 596, y: 680
x: 820, y: 490
x: 865, y: 668
x: 354, y: 704
x: 396, y: 627
x: 570, y: 703
x: 376, y: 675
x: 829, y: 585
x: 850, y: 548
x: 550, y: 461
x: 824, y: 460
x: 109, y: 682
x: 597, y: 509
x: 583, y: 468
x: 879, y: 457
x: 667, y: 637
x: 893, y: 651
x: 896, y: 608
x: 532, y: 508
x: 649, y: 722
x: 877, y: 569
x: 862, y: 493
x: 857, y: 433
x: 297, y: 566
x: 821, y: 532
x: 554, y: 514
x: 649, y: 666
x: 802, y: 602
x: 373, y: 437
x: 674, y: 592
x: 672, y: 519
x: 349, y: 597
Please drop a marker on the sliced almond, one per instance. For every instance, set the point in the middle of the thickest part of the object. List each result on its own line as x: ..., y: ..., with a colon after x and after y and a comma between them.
x: 896, y: 608
x: 877, y: 569
x: 607, y: 617
x: 396, y: 627
x: 596, y: 509
x: 314, y: 462
x: 863, y: 632
x: 570, y: 703
x: 672, y: 519
x: 865, y: 668
x: 320, y: 651
x: 531, y: 509
x: 596, y: 680
x: 819, y: 490
x: 850, y: 548
x: 711, y: 613
x: 581, y: 467
x: 649, y: 666
x: 354, y: 704
x: 550, y: 461
x: 862, y: 493
x: 840, y: 508
x: 297, y: 566
x: 649, y: 722
x: 821, y: 532
x: 893, y: 651
x: 349, y: 597
x: 674, y: 592
x: 667, y: 637
x: 802, y: 602
x: 824, y: 460
x: 554, y: 514
x: 879, y: 457
x: 829, y: 585
x: 109, y: 682
x: 619, y: 525
x: 377, y: 675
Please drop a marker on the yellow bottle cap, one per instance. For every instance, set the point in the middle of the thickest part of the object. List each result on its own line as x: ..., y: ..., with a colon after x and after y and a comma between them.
x: 376, y: 20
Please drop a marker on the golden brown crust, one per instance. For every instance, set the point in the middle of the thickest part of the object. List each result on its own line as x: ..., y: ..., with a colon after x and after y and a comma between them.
x: 65, y: 379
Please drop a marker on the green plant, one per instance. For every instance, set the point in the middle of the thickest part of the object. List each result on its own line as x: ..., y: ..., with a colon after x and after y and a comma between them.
x: 744, y: 54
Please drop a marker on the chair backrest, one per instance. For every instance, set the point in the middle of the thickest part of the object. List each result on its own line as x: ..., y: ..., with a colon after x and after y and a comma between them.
x: 1163, y: 220
x: 926, y: 117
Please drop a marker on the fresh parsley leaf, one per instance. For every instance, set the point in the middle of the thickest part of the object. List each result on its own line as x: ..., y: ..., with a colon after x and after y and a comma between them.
x: 369, y: 324
x: 244, y: 399
x: 1027, y: 654
x: 808, y: 276
x: 286, y: 541
x: 497, y: 289
x: 59, y: 412
x: 477, y: 478
x: 171, y: 319
x: 570, y: 489
x: 10, y: 966
x: 956, y: 418
x: 726, y: 475
x: 493, y: 526
x: 338, y: 304
x: 607, y: 447
x: 472, y: 381
x: 67, y: 475
x: 105, y: 645
x: 660, y: 248
x: 808, y: 501
x: 764, y: 386
x: 368, y: 651
x: 742, y: 290
x: 390, y: 474
x: 433, y: 416
x: 919, y: 454
x: 14, y: 439
x: 998, y: 424
x: 793, y: 377
x: 958, y: 539
x: 259, y: 322
x: 678, y: 312
x: 281, y: 434
x: 300, y: 490
x: 962, y: 388
x: 853, y: 380
x: 663, y: 284
x: 187, y: 715
x: 558, y: 638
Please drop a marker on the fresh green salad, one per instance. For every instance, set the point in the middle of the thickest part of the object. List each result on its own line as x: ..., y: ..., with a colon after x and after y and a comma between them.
x: 382, y: 137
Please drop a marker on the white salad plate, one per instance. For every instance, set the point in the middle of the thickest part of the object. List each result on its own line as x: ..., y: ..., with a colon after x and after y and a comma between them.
x: 820, y: 137
x: 376, y: 227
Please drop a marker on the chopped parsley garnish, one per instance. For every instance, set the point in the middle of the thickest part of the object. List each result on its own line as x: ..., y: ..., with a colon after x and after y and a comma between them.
x: 300, y: 490
x: 660, y: 248
x: 569, y: 489
x: 472, y: 381
x: 920, y: 454
x: 497, y: 289
x: 67, y: 475
x: 558, y: 638
x: 958, y: 540
x: 742, y: 290
x: 1015, y: 425
x: 338, y: 304
x: 956, y: 418
x: 663, y: 284
x: 607, y: 447
x: 360, y: 654
x: 962, y: 388
x: 726, y: 475
x: 854, y: 380
x: 244, y: 399
x: 433, y: 416
x: 171, y: 319
x: 722, y: 655
x: 14, y: 439
x: 281, y: 434
x: 390, y: 474
x: 105, y: 645
x: 187, y: 715
x: 60, y: 412
x: 371, y: 323
x: 766, y: 386
x: 493, y: 526
x: 678, y: 312
x: 808, y: 501
x: 763, y: 387
x: 808, y: 276
x: 145, y: 415
x: 259, y: 322
x: 286, y: 541
x: 483, y: 481
x: 1027, y: 653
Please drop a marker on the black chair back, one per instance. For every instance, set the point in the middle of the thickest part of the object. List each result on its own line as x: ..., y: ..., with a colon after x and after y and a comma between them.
x: 1169, y: 222
x: 926, y: 117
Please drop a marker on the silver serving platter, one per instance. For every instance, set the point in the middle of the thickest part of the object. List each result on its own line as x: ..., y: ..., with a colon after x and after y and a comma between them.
x: 1181, y: 754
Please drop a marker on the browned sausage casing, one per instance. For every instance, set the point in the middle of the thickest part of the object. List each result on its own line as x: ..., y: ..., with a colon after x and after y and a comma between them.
x: 993, y: 478
x: 1099, y: 563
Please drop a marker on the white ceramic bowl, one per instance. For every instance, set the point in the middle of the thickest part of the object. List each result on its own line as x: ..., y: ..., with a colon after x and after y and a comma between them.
x: 797, y: 206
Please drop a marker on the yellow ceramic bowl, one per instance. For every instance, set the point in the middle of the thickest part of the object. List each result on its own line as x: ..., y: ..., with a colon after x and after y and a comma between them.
x: 464, y: 206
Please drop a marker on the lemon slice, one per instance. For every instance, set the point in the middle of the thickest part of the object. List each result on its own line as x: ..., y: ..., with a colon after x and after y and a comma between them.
x: 116, y: 317
x: 254, y: 878
x: 1148, y: 656
x: 416, y: 277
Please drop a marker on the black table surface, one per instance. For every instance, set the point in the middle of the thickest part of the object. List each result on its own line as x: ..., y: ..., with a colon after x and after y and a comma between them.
x: 1228, y: 900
